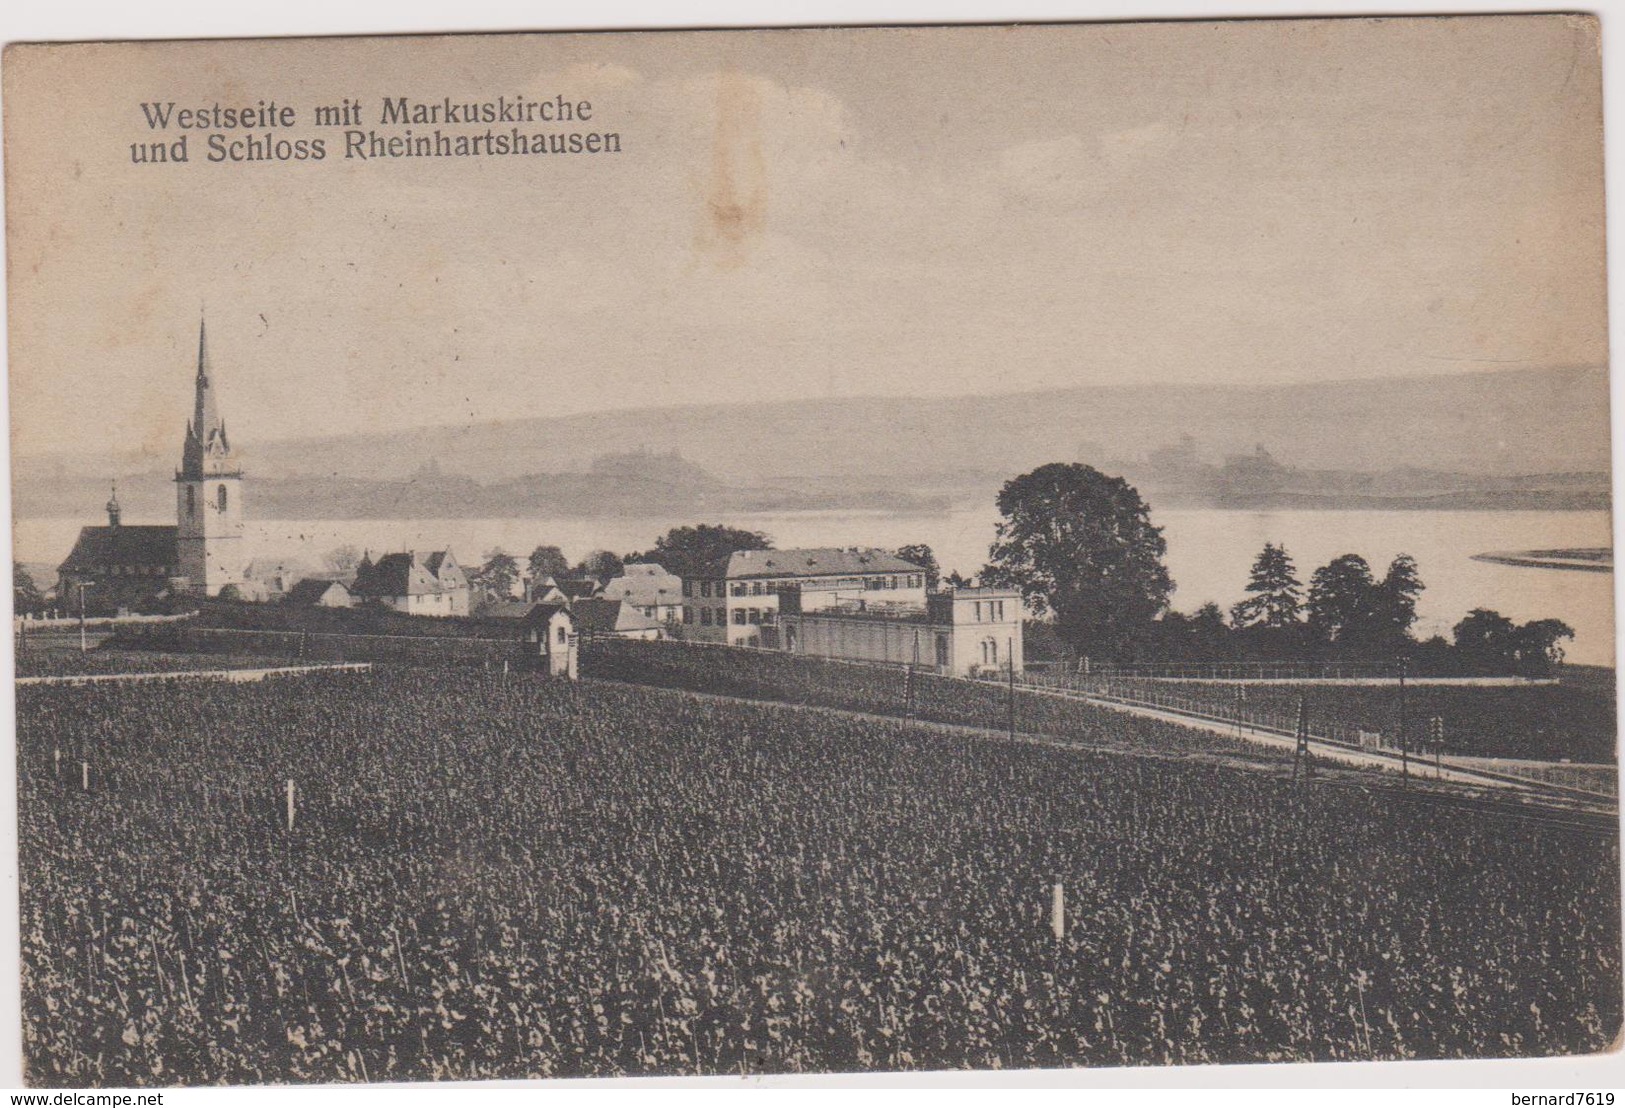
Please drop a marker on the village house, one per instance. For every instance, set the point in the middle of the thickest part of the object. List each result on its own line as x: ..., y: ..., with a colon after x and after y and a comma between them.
x: 965, y: 632
x: 319, y: 592
x: 649, y: 588
x: 600, y: 617
x: 737, y: 601
x: 417, y: 583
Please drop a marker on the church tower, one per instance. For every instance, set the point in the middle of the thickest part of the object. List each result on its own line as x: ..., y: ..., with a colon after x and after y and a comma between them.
x: 208, y: 490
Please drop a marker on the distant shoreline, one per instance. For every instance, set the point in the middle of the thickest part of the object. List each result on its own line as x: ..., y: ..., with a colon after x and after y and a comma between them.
x: 1590, y: 559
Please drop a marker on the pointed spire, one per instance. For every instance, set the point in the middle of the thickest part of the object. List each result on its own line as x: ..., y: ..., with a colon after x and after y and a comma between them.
x: 113, y: 511
x: 206, y: 441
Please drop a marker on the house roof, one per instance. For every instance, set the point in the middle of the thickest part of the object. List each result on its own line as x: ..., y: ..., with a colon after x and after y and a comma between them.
x: 645, y: 589
x: 310, y: 590
x: 506, y: 609
x: 578, y: 587
x: 814, y: 561
x: 408, y: 573
x: 606, y: 616
x: 542, y: 613
x: 138, y: 545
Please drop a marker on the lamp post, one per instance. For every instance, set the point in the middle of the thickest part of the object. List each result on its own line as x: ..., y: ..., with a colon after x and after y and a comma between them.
x: 83, y: 645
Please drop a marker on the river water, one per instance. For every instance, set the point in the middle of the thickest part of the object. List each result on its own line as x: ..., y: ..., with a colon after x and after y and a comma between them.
x: 1209, y: 551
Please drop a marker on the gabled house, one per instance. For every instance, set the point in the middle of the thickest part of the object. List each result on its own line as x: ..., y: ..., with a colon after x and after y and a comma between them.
x: 417, y: 583
x: 318, y: 592
x: 602, y: 618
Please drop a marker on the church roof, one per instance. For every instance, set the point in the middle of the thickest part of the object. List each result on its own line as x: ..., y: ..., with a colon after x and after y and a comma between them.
x: 139, y: 545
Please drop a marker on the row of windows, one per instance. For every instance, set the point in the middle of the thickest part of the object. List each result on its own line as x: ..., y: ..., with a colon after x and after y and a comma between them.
x: 133, y: 571
x: 994, y: 610
x: 708, y: 589
x: 718, y: 617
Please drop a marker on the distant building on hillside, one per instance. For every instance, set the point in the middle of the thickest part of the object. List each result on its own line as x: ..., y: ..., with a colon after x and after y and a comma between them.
x: 650, y: 589
x: 737, y: 601
x: 418, y: 583
x: 964, y: 632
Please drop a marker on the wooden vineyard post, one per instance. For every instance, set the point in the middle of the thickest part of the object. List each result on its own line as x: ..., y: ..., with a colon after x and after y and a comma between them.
x: 84, y: 776
x: 1404, y: 745
x: 290, y: 805
x: 1300, y: 755
x: 1010, y: 661
x: 1057, y: 911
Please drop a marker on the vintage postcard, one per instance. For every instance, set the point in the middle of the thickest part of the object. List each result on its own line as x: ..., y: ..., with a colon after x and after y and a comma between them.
x: 810, y: 551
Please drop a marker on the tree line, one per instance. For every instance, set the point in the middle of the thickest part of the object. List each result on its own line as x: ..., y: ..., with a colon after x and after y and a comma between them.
x: 1081, y: 548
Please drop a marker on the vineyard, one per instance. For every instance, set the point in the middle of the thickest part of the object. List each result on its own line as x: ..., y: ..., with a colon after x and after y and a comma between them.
x: 504, y: 878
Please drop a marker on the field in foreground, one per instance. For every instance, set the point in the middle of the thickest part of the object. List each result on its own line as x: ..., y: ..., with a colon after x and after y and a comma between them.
x: 498, y: 879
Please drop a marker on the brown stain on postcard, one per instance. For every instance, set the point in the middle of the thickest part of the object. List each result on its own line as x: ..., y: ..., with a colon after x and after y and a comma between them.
x: 735, y: 202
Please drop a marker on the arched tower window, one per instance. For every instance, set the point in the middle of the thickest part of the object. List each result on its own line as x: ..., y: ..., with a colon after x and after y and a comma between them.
x: 220, y: 496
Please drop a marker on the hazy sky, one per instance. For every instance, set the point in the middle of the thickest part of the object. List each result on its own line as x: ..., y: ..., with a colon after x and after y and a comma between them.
x: 807, y: 213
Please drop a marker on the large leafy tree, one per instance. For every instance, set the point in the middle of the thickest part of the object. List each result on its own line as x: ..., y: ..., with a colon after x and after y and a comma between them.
x: 691, y: 551
x: 1274, y: 593
x: 1343, y: 604
x: 1080, y: 546
x: 548, y: 561
x: 498, y: 574
x: 600, y: 565
x: 922, y: 556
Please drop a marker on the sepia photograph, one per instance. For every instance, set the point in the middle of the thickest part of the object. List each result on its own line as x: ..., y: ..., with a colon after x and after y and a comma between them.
x: 826, y: 550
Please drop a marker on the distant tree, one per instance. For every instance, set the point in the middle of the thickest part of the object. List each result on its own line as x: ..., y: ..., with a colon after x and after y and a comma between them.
x: 1343, y: 604
x: 1396, y: 600
x: 1537, y: 650
x: 692, y: 550
x: 1274, y: 593
x: 956, y: 580
x: 1080, y: 545
x: 600, y: 565
x: 342, y: 561
x: 921, y: 555
x: 1486, y: 641
x: 498, y: 575
x: 25, y: 595
x: 548, y: 561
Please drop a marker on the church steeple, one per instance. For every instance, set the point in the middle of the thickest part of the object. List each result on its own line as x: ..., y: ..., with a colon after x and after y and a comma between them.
x: 207, y: 451
x: 113, y: 511
x: 208, y: 492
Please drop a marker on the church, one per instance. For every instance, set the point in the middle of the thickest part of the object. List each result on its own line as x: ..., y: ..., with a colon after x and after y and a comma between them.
x: 124, y: 566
